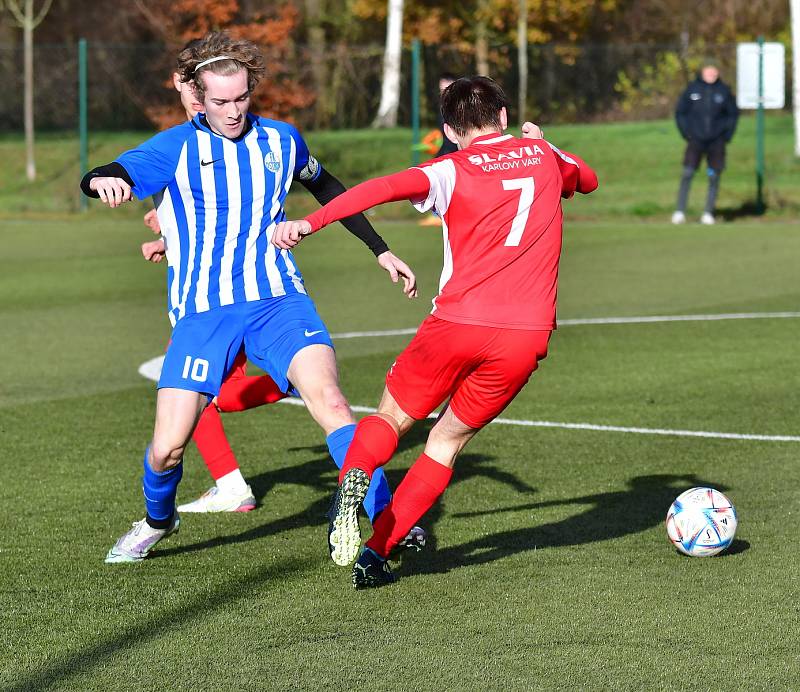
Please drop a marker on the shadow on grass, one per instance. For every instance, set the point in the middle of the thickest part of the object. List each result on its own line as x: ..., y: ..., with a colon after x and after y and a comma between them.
x: 747, y: 208
x: 319, y: 474
x: 609, y: 515
x: 151, y: 629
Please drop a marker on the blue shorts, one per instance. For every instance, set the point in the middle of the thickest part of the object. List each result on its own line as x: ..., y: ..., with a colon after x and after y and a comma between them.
x: 205, y: 344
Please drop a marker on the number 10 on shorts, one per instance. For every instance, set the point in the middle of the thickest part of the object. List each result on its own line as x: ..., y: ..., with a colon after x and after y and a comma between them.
x: 196, y: 368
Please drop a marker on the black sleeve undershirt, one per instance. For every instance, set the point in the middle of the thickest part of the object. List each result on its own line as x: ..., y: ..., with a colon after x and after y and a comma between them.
x: 325, y: 188
x: 110, y: 170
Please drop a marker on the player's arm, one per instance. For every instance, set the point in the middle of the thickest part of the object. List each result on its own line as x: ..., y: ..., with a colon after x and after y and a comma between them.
x: 327, y: 187
x: 411, y: 184
x: 140, y: 172
x: 111, y: 183
x: 576, y: 174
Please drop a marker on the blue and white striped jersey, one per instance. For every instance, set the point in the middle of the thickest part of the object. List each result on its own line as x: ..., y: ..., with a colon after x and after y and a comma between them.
x: 218, y: 201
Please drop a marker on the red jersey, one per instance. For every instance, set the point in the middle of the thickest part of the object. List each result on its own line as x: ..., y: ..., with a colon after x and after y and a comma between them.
x: 500, y: 204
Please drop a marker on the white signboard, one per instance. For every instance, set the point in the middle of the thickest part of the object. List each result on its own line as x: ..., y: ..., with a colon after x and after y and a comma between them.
x: 774, y: 75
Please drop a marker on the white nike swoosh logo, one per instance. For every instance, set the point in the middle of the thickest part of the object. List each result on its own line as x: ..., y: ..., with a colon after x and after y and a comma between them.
x: 308, y: 333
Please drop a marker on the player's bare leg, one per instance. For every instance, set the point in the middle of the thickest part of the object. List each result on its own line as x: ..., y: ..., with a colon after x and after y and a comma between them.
x: 313, y: 372
x: 447, y: 438
x: 177, y: 412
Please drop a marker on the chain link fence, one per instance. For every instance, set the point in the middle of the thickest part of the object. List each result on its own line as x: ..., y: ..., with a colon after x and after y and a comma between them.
x: 567, y: 83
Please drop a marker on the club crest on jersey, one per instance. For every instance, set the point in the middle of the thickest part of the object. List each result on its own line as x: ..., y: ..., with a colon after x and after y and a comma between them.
x: 271, y: 162
x: 524, y: 156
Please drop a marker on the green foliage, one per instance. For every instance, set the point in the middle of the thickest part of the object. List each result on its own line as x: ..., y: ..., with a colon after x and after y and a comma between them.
x: 653, y: 88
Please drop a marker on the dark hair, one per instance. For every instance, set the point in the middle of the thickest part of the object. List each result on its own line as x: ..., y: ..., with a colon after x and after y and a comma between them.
x: 242, y: 54
x: 473, y: 103
x: 447, y: 77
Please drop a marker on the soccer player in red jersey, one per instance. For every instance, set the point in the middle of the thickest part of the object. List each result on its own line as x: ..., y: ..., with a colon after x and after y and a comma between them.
x: 500, y: 200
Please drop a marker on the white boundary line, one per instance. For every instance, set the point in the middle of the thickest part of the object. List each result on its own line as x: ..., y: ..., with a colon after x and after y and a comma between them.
x: 603, y: 428
x: 152, y: 369
x: 608, y: 320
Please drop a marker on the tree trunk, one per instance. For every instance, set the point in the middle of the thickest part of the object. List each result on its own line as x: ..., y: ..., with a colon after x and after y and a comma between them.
x: 522, y: 53
x: 481, y: 49
x: 795, y: 11
x: 390, y: 91
x: 318, y: 53
x: 27, y: 33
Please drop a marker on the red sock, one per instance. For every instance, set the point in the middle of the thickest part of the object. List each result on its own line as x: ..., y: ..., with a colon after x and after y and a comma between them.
x: 209, y: 436
x: 373, y: 444
x: 425, y: 481
x: 243, y: 393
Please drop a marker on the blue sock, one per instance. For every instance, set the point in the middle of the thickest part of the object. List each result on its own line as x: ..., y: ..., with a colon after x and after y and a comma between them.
x: 378, y: 495
x: 159, y: 491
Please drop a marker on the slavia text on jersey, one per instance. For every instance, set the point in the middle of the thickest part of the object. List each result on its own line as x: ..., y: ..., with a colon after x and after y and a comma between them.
x: 524, y: 156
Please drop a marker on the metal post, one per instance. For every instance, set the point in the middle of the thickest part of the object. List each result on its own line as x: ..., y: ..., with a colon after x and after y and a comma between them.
x: 760, y: 206
x: 415, y: 60
x: 83, y: 134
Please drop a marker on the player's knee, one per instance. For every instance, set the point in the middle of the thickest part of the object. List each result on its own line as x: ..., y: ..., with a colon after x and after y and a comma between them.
x: 165, y: 456
x: 713, y: 173
x: 688, y: 172
x: 333, y: 401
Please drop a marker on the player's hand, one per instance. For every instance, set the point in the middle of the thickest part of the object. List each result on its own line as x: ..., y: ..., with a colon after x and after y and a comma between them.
x: 154, y: 250
x: 151, y: 221
x: 399, y: 270
x: 531, y: 131
x: 289, y: 233
x: 112, y: 191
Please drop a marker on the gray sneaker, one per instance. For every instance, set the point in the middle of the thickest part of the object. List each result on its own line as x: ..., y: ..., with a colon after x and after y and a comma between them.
x: 140, y: 540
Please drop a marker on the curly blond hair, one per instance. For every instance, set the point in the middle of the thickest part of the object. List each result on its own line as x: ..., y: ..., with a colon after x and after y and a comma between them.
x: 242, y: 54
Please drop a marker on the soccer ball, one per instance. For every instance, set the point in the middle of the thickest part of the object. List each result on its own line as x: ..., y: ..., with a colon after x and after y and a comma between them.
x: 701, y: 522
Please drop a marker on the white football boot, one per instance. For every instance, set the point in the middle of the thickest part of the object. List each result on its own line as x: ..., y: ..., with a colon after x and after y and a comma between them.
x: 216, y: 500
x: 140, y: 540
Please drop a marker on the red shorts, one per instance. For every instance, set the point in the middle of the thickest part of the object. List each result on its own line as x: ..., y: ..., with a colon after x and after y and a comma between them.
x: 481, y: 368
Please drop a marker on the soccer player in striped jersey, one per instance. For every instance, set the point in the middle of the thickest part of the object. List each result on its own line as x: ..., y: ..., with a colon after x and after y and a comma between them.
x: 219, y: 183
x: 239, y: 392
x: 499, y: 198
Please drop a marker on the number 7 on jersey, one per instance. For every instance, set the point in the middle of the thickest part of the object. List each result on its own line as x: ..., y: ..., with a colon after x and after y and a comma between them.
x: 526, y: 188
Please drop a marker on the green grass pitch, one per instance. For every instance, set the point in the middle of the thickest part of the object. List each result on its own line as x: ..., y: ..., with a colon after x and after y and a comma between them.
x: 551, y: 567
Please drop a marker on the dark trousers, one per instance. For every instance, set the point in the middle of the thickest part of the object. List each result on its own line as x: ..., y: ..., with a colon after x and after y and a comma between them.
x: 714, y: 152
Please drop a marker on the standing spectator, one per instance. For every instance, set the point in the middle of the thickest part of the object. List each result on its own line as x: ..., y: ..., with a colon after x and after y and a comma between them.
x: 706, y: 115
